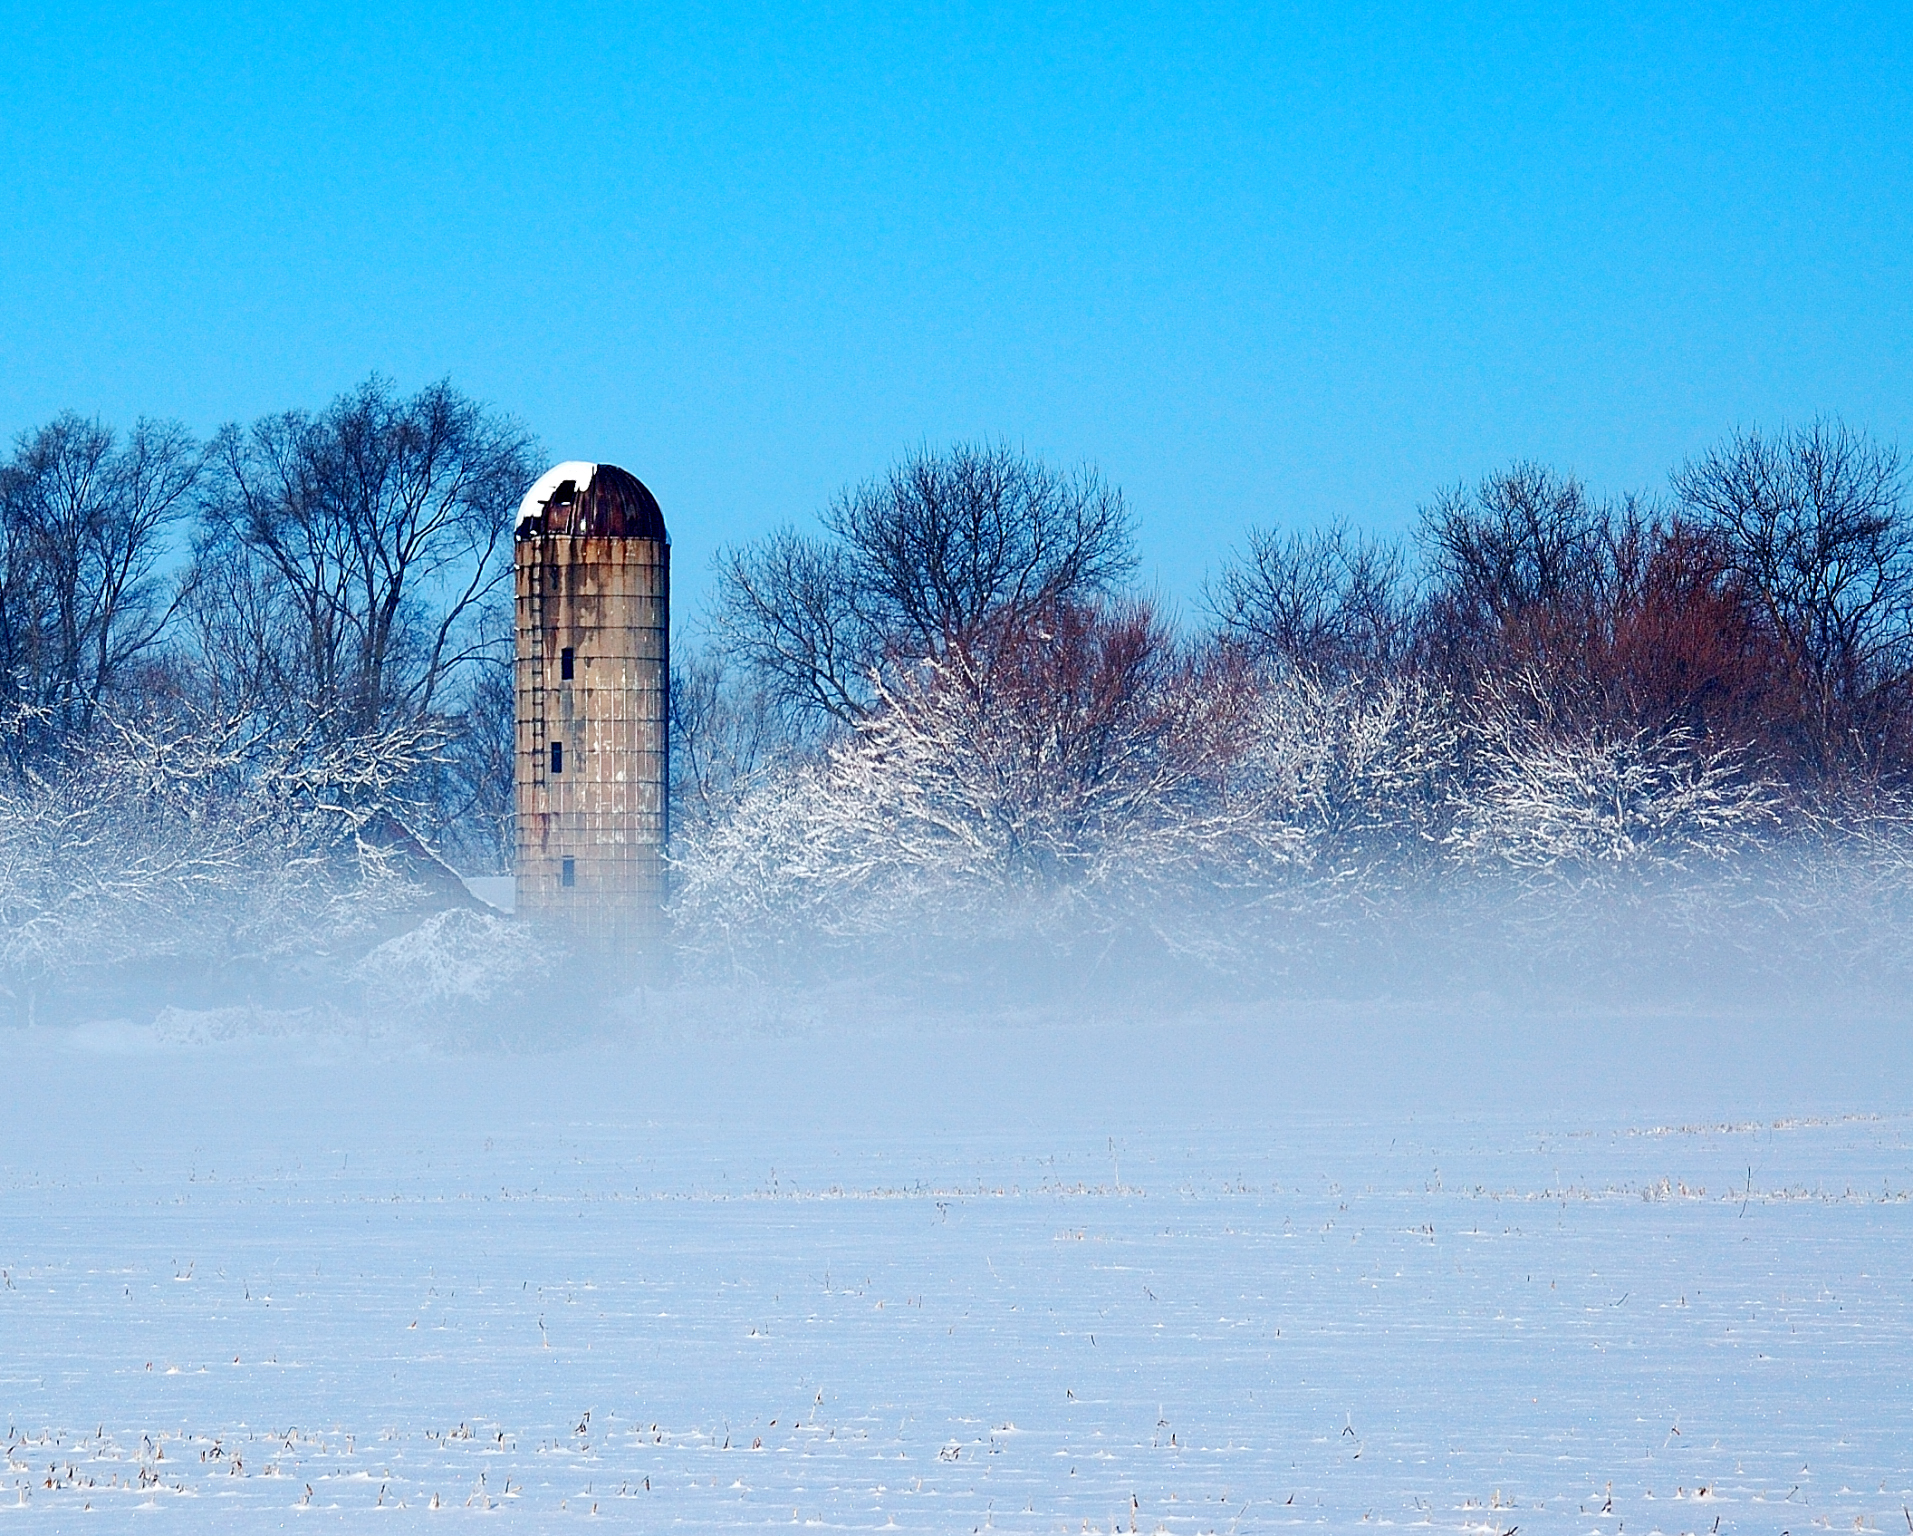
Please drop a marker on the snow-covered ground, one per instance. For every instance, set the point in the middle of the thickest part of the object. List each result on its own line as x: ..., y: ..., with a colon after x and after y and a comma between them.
x: 1310, y: 1268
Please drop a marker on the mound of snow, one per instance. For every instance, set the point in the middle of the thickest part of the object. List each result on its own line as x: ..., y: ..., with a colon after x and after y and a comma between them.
x: 453, y: 957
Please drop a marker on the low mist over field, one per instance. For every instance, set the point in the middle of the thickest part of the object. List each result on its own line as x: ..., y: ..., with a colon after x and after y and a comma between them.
x: 916, y: 1250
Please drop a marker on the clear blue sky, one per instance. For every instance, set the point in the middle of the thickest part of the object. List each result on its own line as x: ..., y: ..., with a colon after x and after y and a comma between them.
x: 1259, y: 265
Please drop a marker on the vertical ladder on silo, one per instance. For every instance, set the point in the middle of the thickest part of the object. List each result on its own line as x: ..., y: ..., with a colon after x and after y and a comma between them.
x: 536, y: 582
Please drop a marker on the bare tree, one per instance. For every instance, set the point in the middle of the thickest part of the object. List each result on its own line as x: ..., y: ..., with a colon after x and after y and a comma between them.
x: 1614, y: 615
x: 477, y: 811
x: 725, y: 732
x: 85, y: 520
x: 361, y: 545
x: 1330, y: 601
x: 786, y: 611
x: 351, y: 571
x: 1815, y: 523
x: 1511, y: 564
x: 939, y: 547
x: 1678, y: 642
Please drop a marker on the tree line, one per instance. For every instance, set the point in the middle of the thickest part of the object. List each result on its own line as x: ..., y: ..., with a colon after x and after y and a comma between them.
x: 1765, y: 603
x: 236, y: 672
x: 950, y: 690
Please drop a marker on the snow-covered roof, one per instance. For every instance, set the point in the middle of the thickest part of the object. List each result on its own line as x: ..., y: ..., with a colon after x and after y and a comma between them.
x: 572, y: 469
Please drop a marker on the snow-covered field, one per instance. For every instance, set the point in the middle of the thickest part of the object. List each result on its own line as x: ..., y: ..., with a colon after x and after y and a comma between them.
x: 1312, y: 1268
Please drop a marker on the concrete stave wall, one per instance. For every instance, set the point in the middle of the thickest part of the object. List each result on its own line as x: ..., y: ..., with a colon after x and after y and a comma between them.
x: 607, y: 810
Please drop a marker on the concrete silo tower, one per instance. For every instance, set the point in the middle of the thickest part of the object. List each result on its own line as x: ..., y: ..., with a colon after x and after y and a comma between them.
x: 593, y: 565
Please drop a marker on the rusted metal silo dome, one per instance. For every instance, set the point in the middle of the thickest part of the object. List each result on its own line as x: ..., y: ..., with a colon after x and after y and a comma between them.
x: 591, y: 501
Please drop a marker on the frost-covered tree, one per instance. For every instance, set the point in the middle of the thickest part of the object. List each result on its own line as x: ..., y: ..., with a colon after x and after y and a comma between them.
x: 1349, y: 781
x: 1085, y: 769
x: 1587, y: 799
x: 1043, y: 759
x: 193, y: 835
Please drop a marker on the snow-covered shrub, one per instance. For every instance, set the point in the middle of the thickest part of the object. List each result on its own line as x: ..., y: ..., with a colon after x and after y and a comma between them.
x: 196, y: 838
x: 1340, y: 778
x: 1043, y: 768
x: 1085, y: 777
x: 1579, y: 799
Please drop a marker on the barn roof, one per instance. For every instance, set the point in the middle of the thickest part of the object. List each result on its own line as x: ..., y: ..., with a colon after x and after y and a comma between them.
x: 595, y: 500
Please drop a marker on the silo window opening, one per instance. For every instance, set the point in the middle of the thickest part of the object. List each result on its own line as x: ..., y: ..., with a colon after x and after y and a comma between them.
x: 557, y: 757
x: 568, y: 872
x: 566, y: 660
x: 566, y: 493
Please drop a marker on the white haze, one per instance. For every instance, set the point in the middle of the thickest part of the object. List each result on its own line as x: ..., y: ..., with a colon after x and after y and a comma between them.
x: 1477, y: 1205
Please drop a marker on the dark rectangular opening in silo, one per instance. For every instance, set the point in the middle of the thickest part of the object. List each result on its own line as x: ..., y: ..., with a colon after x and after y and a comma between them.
x: 566, y: 663
x: 568, y: 872
x: 557, y: 757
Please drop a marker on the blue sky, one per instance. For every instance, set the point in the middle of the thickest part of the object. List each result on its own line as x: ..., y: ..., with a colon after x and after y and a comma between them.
x: 1259, y: 265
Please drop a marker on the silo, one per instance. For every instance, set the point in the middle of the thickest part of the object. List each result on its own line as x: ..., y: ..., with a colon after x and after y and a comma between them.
x: 593, y: 566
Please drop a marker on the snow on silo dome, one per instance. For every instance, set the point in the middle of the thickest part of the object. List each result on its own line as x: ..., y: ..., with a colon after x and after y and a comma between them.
x: 542, y: 488
x: 592, y: 500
